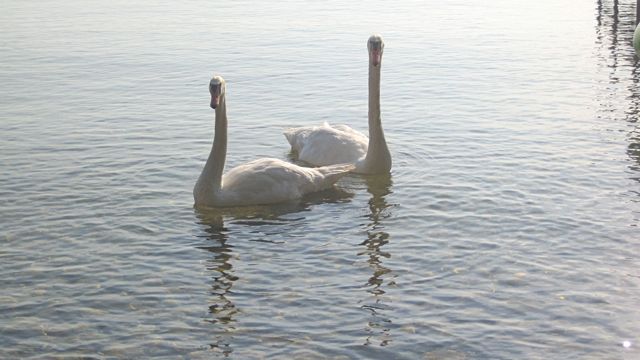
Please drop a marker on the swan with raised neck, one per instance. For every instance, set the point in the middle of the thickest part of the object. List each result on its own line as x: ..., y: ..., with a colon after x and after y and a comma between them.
x: 261, y: 181
x: 333, y: 144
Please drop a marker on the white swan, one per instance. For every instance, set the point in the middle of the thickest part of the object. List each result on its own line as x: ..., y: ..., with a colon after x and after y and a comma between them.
x: 262, y: 181
x: 337, y: 144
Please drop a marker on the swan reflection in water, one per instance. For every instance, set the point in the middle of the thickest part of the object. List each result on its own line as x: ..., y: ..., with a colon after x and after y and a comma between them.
x: 218, y: 241
x: 221, y: 308
x: 379, y: 325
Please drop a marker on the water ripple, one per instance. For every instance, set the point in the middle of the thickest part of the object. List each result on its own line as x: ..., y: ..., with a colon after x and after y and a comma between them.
x: 507, y: 229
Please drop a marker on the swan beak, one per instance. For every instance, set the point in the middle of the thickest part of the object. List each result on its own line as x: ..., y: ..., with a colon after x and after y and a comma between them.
x: 376, y: 57
x: 215, y: 101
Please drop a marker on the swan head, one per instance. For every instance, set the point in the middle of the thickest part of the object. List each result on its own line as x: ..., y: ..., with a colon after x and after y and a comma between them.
x: 217, y: 89
x: 376, y: 48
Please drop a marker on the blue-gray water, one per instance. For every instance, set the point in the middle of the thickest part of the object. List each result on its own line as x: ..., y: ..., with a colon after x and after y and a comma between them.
x: 507, y: 230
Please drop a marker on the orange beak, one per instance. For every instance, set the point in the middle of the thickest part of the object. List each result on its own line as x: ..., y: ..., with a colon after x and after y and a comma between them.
x: 215, y: 101
x: 376, y: 57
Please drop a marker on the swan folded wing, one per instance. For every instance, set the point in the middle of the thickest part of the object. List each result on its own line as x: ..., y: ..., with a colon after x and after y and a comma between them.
x: 330, y: 174
x: 327, y: 145
x: 267, y: 181
x: 351, y: 132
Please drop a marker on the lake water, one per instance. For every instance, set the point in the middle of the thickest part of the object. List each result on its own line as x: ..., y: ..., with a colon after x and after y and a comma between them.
x: 508, y: 228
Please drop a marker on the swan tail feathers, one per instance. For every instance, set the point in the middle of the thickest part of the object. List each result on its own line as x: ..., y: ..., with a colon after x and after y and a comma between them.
x: 331, y: 174
x: 292, y: 135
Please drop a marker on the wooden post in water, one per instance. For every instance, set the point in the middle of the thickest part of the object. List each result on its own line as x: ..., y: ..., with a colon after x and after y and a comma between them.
x: 636, y: 33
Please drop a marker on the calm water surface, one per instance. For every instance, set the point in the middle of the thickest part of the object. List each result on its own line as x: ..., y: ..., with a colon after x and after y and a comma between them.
x: 507, y: 230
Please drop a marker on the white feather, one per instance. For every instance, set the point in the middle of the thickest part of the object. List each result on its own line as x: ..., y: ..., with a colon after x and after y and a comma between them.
x: 327, y: 145
x: 259, y: 182
x: 268, y: 181
x: 338, y: 144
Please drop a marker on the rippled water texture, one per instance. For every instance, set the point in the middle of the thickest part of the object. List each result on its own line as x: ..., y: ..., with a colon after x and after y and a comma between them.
x: 507, y: 230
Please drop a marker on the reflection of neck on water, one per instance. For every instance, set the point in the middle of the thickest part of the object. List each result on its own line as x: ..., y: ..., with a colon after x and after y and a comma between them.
x: 378, y: 187
x: 221, y: 308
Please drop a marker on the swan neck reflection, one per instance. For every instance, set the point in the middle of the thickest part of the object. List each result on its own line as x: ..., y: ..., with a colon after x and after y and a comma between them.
x: 221, y: 307
x: 379, y: 324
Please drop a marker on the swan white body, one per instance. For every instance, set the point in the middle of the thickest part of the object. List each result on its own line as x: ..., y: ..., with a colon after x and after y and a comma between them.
x: 327, y: 145
x: 262, y: 181
x: 337, y: 144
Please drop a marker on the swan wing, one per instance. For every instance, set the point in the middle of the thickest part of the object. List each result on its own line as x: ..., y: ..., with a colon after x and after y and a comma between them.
x: 351, y: 131
x: 327, y: 144
x: 268, y: 181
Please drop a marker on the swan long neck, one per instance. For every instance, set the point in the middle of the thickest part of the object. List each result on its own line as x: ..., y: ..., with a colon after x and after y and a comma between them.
x: 375, y: 125
x: 211, y: 178
x: 378, y: 158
